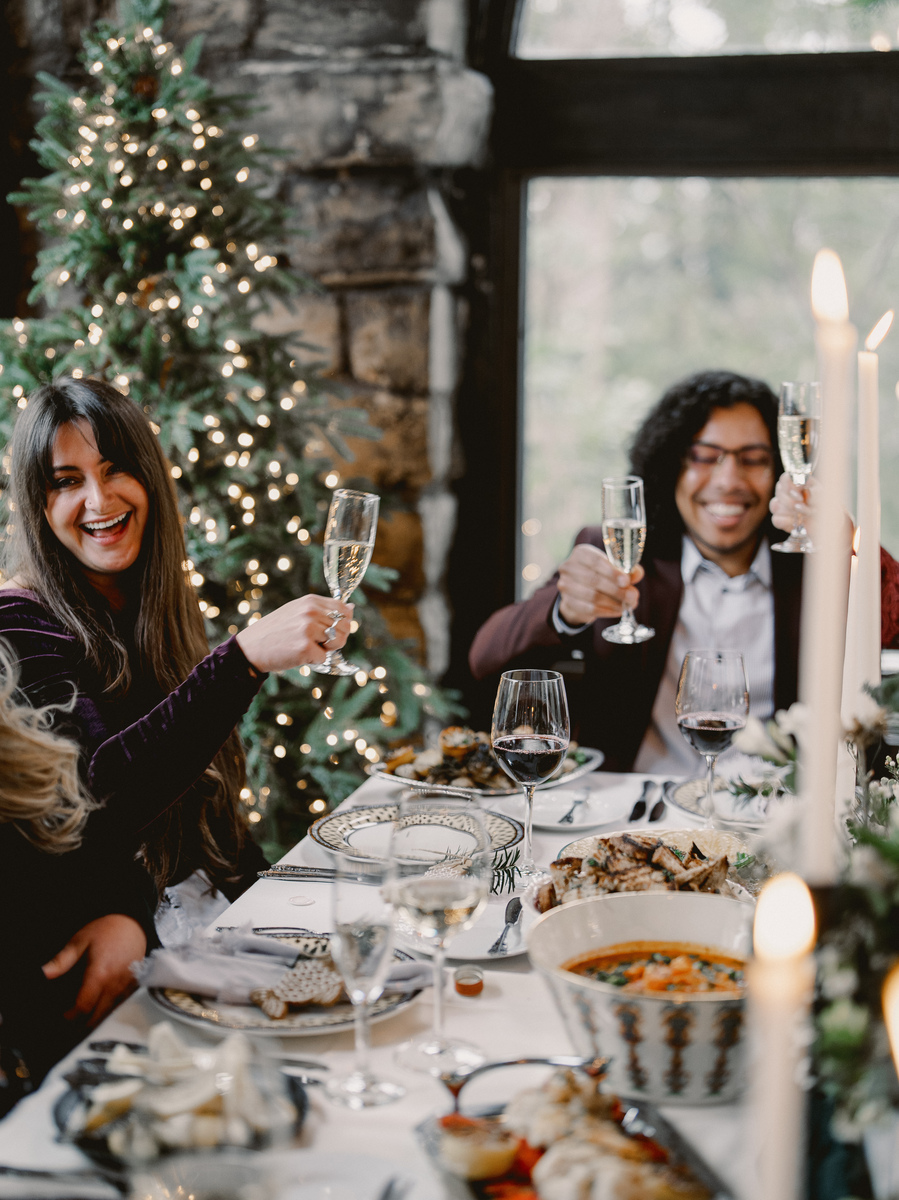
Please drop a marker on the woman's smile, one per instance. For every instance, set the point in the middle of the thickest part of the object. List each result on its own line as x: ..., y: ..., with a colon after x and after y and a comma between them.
x: 96, y: 509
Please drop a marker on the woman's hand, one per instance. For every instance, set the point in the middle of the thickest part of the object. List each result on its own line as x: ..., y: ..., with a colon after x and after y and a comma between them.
x: 591, y: 587
x: 296, y: 633
x: 111, y: 943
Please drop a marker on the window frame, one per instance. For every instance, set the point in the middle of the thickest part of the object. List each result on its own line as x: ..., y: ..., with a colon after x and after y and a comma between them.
x: 673, y: 116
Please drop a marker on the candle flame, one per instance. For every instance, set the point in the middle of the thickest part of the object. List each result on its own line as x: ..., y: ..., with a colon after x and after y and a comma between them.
x: 880, y: 330
x: 784, y: 919
x: 829, y: 299
x: 891, y: 1011
x: 856, y: 540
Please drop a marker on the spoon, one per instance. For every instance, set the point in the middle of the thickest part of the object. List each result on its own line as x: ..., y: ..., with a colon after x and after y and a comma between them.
x: 513, y: 913
x: 454, y: 1082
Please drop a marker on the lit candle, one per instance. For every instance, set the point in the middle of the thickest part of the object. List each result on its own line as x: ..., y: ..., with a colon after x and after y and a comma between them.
x: 781, y: 981
x: 891, y: 1012
x: 852, y: 679
x: 868, y: 508
x: 826, y: 575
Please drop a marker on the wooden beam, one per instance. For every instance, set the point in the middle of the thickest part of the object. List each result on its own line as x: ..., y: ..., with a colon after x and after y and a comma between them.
x: 781, y: 114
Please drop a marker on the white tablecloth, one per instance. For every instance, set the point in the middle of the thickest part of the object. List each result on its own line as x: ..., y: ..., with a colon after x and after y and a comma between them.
x: 514, y: 1016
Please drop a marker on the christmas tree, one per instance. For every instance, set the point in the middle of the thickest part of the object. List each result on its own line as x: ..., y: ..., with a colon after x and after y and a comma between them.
x: 164, y: 251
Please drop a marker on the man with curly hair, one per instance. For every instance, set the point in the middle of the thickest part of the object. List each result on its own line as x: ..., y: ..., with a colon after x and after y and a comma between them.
x: 716, y: 500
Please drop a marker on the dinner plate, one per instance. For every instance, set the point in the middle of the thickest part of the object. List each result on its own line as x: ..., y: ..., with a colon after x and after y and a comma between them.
x: 602, y: 806
x: 364, y: 833
x: 471, y: 945
x: 327, y: 1175
x: 731, y: 811
x: 594, y: 759
x: 305, y: 1022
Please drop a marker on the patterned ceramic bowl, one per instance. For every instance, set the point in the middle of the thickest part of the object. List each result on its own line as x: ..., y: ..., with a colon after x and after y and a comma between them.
x: 671, y: 1048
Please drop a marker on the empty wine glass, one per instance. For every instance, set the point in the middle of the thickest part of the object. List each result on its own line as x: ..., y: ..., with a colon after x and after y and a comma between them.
x: 712, y: 703
x: 530, y: 738
x: 624, y: 535
x: 798, y: 429
x: 442, y: 863
x: 362, y: 950
x: 349, y: 541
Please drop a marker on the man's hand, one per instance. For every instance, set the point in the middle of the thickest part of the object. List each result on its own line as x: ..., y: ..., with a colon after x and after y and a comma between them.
x: 112, y: 944
x: 791, y: 505
x: 591, y: 587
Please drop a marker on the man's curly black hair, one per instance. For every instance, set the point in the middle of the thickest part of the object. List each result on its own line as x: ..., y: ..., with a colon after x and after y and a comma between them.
x: 660, y: 445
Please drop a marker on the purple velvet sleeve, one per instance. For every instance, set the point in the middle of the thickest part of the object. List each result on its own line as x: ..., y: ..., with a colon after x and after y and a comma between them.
x: 140, y: 764
x: 156, y: 759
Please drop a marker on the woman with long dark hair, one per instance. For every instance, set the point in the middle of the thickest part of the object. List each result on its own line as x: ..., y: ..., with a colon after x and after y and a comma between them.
x: 97, y: 603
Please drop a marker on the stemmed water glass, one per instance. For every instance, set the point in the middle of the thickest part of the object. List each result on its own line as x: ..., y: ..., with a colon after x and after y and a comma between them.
x: 349, y: 541
x: 798, y: 427
x: 712, y: 703
x: 624, y: 535
x: 362, y: 950
x: 530, y: 738
x: 442, y: 863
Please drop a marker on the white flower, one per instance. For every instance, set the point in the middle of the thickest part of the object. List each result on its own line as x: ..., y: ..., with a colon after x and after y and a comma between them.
x: 868, y: 869
x: 753, y: 738
x: 792, y: 721
x: 868, y: 713
x: 839, y: 985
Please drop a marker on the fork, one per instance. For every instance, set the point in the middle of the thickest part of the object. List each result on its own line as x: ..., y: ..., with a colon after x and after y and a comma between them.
x: 394, y: 1189
x: 568, y: 819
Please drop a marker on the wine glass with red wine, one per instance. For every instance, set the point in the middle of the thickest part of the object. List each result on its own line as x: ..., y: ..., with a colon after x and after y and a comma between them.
x: 530, y: 738
x: 712, y: 703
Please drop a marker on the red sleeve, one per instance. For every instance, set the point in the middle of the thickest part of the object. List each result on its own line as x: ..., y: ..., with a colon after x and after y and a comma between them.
x: 889, y: 601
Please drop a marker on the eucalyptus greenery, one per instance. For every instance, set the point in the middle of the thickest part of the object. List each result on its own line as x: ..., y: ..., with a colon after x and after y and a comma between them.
x: 163, y: 251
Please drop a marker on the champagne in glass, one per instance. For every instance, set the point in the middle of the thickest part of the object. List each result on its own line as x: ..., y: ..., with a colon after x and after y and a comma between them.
x: 362, y: 949
x: 530, y: 738
x: 624, y: 535
x: 798, y: 424
x: 349, y: 541
x: 442, y: 863
x: 712, y: 703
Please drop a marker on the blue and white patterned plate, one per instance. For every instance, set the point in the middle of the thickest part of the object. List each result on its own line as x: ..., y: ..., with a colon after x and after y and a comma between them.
x: 364, y: 833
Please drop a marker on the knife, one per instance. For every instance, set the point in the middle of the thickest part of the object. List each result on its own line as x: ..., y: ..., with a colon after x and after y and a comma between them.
x: 296, y: 874
x: 640, y: 807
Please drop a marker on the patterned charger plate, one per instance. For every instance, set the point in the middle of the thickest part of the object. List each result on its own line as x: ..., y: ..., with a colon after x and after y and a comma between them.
x: 364, y: 833
x: 304, y: 1022
x: 593, y: 760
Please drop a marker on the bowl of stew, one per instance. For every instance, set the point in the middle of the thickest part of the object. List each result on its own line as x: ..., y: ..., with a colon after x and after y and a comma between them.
x: 655, y: 982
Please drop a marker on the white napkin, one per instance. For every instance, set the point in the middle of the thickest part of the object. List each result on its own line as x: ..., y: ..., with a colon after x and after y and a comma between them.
x: 233, y: 963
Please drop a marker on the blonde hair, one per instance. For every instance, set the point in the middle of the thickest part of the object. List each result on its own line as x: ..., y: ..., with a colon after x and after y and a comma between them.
x: 40, y: 789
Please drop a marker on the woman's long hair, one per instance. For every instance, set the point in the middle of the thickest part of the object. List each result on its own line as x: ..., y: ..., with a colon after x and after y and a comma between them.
x: 169, y: 638
x: 659, y: 447
x: 40, y: 788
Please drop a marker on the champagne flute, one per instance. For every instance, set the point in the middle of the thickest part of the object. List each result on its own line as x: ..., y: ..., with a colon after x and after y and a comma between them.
x: 624, y: 534
x: 530, y: 738
x: 798, y: 427
x: 712, y: 703
x: 349, y: 541
x: 442, y: 863
x: 362, y: 950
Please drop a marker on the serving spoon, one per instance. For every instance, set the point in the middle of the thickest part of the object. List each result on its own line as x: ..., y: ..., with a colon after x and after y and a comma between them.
x: 455, y: 1081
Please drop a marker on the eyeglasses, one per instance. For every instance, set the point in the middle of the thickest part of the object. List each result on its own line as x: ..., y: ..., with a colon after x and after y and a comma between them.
x: 705, y: 454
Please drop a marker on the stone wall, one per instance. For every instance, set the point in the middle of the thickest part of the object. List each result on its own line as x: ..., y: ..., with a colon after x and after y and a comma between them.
x: 373, y: 106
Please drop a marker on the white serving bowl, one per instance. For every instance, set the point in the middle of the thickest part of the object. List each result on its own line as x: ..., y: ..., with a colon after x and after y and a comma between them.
x: 671, y: 1048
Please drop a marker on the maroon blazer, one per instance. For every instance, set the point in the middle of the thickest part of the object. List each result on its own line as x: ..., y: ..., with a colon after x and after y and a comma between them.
x: 611, y: 699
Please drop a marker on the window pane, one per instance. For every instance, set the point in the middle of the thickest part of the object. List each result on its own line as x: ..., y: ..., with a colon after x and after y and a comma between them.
x: 634, y: 283
x: 621, y: 28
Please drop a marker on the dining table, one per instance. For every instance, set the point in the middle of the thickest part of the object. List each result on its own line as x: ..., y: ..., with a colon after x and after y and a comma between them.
x: 353, y: 1154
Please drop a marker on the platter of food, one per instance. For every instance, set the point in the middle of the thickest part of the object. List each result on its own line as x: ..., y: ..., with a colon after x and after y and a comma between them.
x: 695, y: 860
x: 464, y: 759
x: 309, y: 1000
x: 565, y: 1140
x: 364, y: 833
x: 138, y: 1102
